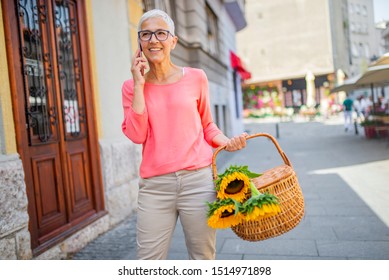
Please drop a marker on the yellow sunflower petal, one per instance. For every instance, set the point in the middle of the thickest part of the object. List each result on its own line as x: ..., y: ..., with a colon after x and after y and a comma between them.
x: 218, y: 221
x: 253, y: 215
x: 261, y: 211
x: 267, y: 209
x: 276, y: 208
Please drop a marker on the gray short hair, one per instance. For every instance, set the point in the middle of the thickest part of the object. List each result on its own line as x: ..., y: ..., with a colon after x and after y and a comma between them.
x: 157, y: 14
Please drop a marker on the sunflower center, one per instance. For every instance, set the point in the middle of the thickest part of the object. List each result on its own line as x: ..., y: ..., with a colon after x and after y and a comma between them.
x: 234, y: 186
x: 226, y: 214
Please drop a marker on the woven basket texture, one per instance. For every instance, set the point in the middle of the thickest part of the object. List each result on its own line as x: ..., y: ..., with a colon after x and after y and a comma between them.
x: 281, y: 181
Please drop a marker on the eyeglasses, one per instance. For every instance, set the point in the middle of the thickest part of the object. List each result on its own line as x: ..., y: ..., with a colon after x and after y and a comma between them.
x: 160, y: 34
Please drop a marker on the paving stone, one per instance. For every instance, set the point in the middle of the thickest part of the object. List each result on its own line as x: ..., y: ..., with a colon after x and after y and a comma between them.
x: 271, y: 247
x: 376, y: 250
x: 116, y: 244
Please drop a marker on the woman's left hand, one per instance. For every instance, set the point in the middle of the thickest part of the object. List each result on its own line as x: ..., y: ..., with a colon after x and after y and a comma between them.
x: 236, y: 143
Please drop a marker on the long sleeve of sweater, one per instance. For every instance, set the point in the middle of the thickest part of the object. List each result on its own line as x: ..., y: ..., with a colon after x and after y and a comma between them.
x: 134, y: 125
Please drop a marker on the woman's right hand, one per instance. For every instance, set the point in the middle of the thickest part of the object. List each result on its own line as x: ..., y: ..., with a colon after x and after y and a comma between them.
x: 139, y: 65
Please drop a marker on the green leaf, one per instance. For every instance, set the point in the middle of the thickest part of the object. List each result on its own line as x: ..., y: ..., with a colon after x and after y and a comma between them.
x: 237, y: 168
x: 258, y: 201
x: 212, y: 207
x: 237, y: 207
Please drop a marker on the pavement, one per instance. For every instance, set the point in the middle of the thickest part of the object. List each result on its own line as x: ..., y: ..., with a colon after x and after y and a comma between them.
x: 345, y: 182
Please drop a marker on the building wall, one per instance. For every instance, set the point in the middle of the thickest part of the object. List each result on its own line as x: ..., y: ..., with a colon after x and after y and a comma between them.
x: 113, y: 52
x: 340, y: 35
x: 381, y: 31
x: 385, y: 37
x: 235, y: 114
x: 7, y: 126
x: 192, y: 50
x: 286, y: 38
x: 14, y: 234
x: 362, y: 34
x: 120, y: 158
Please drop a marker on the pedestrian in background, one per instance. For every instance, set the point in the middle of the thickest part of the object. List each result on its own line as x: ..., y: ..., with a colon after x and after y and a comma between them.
x: 359, y: 105
x: 364, y: 106
x: 381, y: 105
x: 369, y: 105
x: 348, y: 113
x: 167, y: 110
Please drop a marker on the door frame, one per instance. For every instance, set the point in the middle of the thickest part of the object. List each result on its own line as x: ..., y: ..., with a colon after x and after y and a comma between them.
x: 10, y: 19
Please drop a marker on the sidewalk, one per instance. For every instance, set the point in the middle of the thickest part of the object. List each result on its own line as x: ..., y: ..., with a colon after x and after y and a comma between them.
x: 344, y: 178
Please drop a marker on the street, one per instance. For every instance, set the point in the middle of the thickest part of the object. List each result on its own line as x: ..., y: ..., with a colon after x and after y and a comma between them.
x: 344, y: 178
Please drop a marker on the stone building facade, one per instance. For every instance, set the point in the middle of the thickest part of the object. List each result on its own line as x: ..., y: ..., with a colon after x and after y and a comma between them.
x: 286, y: 39
x: 43, y: 212
x: 362, y: 35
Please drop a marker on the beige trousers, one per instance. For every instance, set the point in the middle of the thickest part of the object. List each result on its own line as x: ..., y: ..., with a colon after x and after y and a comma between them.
x: 161, y: 200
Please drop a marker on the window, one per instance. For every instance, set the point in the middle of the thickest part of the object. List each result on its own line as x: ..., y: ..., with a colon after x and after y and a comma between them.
x: 352, y: 27
x: 358, y: 27
x: 364, y: 50
x: 212, y: 35
x: 364, y: 28
x: 357, y: 9
x: 367, y: 50
x: 224, y: 111
x: 361, y: 49
x: 351, y: 8
x: 217, y: 119
x: 354, y: 50
x: 364, y: 10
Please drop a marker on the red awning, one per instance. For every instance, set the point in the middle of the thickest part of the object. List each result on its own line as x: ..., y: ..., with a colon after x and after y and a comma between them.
x: 236, y: 63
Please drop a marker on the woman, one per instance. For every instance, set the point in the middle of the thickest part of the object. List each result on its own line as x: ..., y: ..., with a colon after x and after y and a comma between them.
x: 167, y: 111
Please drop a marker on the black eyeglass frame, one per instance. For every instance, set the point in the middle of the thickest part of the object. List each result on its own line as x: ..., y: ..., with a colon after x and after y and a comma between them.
x: 155, y: 34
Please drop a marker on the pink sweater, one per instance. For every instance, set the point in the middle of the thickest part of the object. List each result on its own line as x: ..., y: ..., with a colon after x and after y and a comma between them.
x: 176, y: 129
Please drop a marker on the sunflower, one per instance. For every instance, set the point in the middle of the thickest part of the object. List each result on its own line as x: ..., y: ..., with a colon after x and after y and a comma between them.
x: 259, y: 205
x: 223, y: 214
x: 234, y: 183
x: 234, y: 186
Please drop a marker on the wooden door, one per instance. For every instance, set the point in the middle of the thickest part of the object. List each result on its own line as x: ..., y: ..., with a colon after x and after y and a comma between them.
x: 53, y: 108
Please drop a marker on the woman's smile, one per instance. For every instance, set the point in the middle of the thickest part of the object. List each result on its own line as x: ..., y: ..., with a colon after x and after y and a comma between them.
x: 154, y: 49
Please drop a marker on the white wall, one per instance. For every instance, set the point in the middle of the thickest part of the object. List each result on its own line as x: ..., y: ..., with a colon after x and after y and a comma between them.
x: 113, y: 59
x: 285, y: 38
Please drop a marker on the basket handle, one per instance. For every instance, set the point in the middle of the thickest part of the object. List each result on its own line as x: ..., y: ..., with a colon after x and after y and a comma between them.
x: 283, y: 155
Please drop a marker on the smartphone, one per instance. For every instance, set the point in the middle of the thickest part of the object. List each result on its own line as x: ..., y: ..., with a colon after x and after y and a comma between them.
x: 140, y: 55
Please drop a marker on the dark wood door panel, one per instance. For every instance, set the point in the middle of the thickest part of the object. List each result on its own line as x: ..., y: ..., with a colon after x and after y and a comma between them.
x: 80, y: 183
x: 49, y: 194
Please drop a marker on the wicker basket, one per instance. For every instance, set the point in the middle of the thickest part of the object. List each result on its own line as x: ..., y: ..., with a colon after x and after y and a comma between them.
x: 282, y: 182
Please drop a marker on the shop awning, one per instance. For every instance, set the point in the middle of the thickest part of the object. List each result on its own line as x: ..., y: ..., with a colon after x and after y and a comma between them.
x: 348, y: 85
x: 236, y: 63
x: 383, y: 60
x: 378, y: 74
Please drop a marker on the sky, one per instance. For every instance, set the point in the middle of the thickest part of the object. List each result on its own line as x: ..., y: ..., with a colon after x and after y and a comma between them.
x: 381, y: 10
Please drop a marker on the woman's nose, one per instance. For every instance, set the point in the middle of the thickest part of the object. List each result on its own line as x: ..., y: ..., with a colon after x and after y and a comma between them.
x: 153, y: 38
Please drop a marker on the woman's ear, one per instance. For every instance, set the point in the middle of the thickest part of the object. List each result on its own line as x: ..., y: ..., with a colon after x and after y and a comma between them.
x: 174, y: 43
